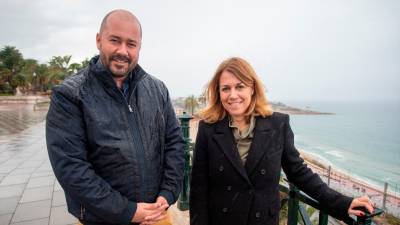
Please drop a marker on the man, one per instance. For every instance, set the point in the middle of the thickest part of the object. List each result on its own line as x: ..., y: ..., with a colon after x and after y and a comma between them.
x: 113, y: 139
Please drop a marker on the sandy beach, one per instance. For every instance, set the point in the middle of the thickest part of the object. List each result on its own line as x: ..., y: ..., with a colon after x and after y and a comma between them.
x: 351, y: 186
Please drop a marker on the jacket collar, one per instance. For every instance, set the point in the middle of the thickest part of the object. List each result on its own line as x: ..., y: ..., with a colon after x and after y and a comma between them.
x: 263, y: 133
x: 263, y: 136
x: 225, y: 140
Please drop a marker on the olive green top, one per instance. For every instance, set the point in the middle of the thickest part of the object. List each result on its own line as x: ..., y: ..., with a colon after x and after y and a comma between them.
x: 243, y: 139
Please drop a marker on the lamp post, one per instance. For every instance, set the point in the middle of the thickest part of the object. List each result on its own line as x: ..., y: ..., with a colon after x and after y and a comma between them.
x: 34, y: 82
x: 183, y: 201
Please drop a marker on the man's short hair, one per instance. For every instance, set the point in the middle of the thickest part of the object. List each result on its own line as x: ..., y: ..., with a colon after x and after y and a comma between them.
x: 104, y: 21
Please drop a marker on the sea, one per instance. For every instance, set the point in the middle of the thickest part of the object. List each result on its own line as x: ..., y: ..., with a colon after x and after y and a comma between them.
x: 361, y: 139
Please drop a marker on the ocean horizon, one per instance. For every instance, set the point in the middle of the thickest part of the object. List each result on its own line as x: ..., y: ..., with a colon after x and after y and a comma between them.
x: 359, y: 138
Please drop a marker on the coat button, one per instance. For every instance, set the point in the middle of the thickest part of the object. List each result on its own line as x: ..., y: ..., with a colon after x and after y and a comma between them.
x: 229, y: 188
x: 258, y: 214
x: 221, y: 168
x: 225, y: 210
x: 263, y: 171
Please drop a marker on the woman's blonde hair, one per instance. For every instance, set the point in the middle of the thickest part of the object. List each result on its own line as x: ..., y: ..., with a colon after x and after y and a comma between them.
x: 245, y: 73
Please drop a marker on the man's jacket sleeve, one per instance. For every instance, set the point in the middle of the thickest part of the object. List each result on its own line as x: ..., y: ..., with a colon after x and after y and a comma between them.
x: 173, y: 156
x: 66, y: 144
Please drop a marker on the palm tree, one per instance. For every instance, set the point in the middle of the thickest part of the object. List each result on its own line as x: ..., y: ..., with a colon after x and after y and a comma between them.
x: 11, y: 63
x: 59, y: 66
x: 5, y: 75
x: 74, y: 68
x: 85, y: 63
x: 29, y: 72
x: 44, y: 77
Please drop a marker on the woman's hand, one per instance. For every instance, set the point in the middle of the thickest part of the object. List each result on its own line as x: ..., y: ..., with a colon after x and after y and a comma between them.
x: 363, y: 201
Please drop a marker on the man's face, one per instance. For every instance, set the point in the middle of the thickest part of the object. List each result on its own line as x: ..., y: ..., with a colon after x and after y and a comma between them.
x: 119, y: 44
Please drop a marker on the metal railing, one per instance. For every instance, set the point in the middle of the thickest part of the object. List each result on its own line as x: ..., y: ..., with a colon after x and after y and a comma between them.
x: 295, y: 197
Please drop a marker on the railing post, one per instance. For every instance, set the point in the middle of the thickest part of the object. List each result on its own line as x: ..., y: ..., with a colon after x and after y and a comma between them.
x: 384, y: 196
x: 329, y: 175
x: 293, y: 205
x: 364, y: 220
x: 367, y: 218
x: 183, y: 201
x: 322, y: 218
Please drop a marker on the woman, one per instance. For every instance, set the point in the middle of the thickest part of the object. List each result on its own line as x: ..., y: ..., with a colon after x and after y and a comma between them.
x: 241, y: 147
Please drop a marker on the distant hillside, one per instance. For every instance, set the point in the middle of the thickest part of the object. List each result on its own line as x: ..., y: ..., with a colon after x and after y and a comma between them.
x: 280, y: 107
x: 276, y: 106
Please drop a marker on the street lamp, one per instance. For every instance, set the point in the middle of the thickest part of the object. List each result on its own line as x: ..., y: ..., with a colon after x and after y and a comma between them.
x: 34, y: 82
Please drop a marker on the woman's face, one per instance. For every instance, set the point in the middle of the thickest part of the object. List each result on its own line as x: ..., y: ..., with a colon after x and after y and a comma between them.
x: 235, y: 95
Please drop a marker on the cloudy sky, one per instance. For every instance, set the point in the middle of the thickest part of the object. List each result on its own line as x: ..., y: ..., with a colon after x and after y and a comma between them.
x: 342, y: 50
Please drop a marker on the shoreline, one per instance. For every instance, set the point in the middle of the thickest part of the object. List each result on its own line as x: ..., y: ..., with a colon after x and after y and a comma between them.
x: 350, y: 185
x: 283, y: 108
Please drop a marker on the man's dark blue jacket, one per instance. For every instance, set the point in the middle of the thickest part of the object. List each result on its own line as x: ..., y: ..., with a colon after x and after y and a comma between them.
x: 109, y: 152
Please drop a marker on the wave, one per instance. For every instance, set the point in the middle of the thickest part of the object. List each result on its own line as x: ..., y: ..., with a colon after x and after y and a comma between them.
x: 376, y: 180
x: 336, y: 154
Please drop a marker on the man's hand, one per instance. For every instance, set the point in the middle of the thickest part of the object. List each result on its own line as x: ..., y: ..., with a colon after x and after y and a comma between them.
x: 154, y: 218
x: 148, y: 211
x: 162, y: 201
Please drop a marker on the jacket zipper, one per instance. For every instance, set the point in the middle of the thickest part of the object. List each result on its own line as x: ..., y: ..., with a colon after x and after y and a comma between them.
x: 137, y: 143
x: 82, y: 211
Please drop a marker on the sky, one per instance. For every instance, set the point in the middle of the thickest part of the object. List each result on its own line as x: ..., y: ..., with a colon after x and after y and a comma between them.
x: 303, y: 50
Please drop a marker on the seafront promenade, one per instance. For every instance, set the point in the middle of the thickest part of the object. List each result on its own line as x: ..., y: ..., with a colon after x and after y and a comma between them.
x: 29, y: 192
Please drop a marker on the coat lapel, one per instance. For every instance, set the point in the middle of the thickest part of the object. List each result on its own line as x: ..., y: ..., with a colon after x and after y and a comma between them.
x: 263, y: 136
x: 226, y: 144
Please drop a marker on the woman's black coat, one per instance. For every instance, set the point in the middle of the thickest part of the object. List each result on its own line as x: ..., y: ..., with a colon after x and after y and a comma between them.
x: 224, y: 192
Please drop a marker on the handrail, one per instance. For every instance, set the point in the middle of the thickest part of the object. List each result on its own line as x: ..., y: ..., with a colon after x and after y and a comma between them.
x: 294, y: 208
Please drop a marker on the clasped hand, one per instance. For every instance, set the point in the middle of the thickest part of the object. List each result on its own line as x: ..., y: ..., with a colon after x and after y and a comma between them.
x: 150, y: 213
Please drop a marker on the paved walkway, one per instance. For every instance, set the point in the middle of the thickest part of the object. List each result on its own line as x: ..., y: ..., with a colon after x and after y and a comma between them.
x: 29, y: 192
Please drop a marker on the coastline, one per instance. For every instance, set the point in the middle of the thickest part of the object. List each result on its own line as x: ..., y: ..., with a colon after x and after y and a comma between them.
x: 280, y: 107
x: 352, y: 186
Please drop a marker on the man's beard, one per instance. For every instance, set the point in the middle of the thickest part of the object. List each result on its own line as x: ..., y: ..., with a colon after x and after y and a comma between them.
x: 115, y: 72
